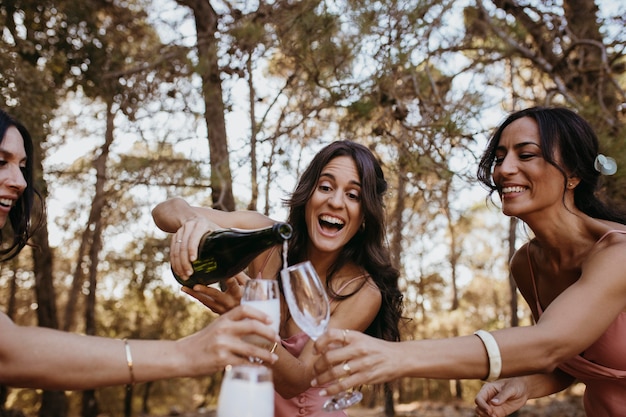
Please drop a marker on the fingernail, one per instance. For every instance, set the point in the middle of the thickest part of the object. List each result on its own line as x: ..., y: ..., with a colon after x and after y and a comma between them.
x: 314, y: 383
x: 323, y: 393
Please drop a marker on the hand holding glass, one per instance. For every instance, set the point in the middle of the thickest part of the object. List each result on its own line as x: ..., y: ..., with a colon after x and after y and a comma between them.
x: 263, y: 294
x: 310, y: 309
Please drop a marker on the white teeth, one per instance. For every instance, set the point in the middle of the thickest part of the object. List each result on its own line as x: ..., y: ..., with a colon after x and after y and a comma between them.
x: 518, y: 189
x: 6, y: 202
x: 330, y: 219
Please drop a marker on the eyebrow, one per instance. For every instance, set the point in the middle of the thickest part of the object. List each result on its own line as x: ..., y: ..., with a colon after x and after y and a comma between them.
x: 332, y: 177
x: 520, y: 145
x: 8, y: 155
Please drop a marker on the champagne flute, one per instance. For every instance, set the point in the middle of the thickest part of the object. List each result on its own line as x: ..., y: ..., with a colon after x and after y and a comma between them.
x: 264, y: 295
x: 246, y: 391
x: 310, y: 309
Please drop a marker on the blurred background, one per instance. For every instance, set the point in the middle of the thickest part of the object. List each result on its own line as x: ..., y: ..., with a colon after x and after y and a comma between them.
x: 131, y: 102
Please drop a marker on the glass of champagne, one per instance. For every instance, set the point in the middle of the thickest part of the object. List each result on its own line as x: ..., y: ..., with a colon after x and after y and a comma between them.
x: 264, y: 295
x: 246, y: 391
x: 310, y: 309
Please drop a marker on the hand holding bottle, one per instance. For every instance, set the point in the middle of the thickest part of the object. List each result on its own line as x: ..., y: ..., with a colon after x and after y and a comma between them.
x: 224, y: 253
x: 185, y: 242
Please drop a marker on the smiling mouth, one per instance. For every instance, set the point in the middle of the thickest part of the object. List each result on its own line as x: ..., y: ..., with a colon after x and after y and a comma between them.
x: 329, y: 222
x: 5, y: 202
x: 516, y: 189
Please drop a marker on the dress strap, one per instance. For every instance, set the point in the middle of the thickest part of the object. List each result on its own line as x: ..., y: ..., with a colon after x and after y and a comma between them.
x: 532, y: 275
x: 532, y: 279
x: 350, y: 281
x: 610, y: 232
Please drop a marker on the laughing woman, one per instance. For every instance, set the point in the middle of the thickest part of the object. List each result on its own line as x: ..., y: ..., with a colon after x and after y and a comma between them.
x: 337, y: 216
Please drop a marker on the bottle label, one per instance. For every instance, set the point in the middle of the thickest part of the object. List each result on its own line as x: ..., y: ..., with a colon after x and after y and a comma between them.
x: 205, y: 265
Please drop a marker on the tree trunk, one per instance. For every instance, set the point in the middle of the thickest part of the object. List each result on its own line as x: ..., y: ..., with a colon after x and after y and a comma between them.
x: 78, y: 279
x: 254, y: 181
x: 90, y: 404
x: 145, y: 407
x: 390, y: 410
x: 206, y: 27
x: 53, y: 403
x: 128, y: 401
x: 93, y: 233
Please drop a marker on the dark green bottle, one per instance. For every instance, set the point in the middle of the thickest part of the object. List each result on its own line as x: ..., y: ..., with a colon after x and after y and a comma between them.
x: 226, y: 252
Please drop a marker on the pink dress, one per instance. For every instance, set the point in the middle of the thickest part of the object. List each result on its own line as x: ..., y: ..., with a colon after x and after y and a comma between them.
x: 308, y: 403
x: 602, y: 366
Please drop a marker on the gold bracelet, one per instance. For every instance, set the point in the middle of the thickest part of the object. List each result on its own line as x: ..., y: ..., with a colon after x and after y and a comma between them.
x: 129, y: 362
x: 274, y: 347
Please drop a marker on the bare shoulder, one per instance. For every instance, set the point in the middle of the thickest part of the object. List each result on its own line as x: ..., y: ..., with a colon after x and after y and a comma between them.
x: 602, y: 271
x: 519, y: 263
x: 609, y: 248
x: 352, y: 278
x: 359, y: 309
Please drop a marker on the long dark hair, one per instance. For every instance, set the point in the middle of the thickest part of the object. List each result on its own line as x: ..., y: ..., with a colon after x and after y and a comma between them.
x: 367, y: 248
x: 564, y: 133
x: 20, y: 213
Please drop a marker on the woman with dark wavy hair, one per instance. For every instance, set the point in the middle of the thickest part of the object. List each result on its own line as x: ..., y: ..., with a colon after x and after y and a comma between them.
x: 20, y: 208
x: 337, y: 215
x: 38, y: 357
x: 545, y: 167
x: 367, y: 247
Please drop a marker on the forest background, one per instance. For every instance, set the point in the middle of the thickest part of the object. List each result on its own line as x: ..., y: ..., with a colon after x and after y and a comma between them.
x: 223, y: 103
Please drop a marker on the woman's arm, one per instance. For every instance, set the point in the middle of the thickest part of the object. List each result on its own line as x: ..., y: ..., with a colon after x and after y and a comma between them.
x: 571, y: 323
x: 38, y: 357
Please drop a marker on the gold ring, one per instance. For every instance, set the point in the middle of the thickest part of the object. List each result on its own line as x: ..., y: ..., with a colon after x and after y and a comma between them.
x: 345, y: 333
x: 347, y: 368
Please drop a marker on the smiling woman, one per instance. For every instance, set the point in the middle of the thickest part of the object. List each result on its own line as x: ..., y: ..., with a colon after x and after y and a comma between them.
x: 337, y: 216
x: 545, y: 165
x: 16, y: 174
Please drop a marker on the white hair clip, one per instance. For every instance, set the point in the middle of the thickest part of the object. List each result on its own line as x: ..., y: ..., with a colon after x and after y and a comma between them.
x: 605, y: 165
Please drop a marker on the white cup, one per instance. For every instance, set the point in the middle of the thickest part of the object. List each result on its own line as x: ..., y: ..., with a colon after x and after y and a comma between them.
x: 246, y: 391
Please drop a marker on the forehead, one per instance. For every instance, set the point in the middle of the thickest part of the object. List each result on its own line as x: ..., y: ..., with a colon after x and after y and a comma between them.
x: 341, y: 168
x: 524, y: 130
x: 13, y: 143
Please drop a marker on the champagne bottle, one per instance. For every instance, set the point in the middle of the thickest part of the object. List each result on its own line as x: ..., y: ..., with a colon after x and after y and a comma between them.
x: 226, y: 252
